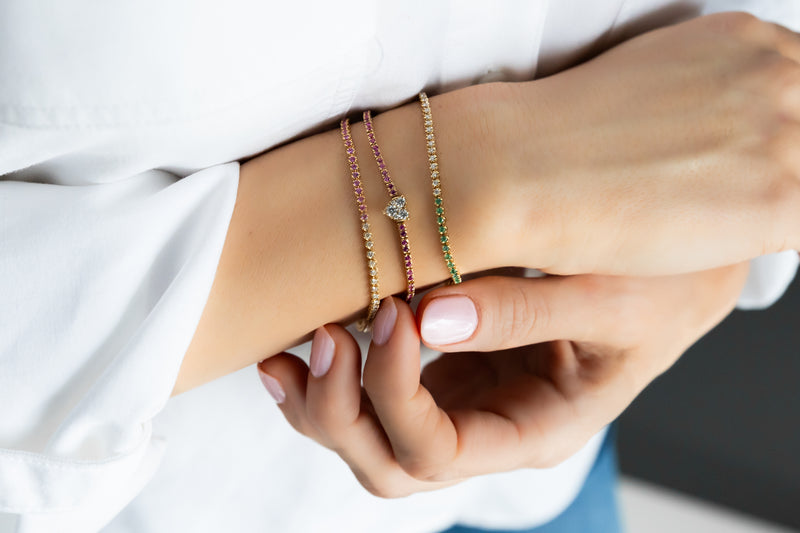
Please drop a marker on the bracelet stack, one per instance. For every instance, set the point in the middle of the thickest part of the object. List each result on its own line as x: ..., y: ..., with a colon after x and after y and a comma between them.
x: 397, y: 209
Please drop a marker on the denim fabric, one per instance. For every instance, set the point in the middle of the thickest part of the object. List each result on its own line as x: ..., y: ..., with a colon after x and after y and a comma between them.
x: 595, y: 509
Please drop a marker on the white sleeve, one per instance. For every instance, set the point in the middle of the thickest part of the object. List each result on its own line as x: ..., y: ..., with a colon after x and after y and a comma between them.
x: 101, y: 289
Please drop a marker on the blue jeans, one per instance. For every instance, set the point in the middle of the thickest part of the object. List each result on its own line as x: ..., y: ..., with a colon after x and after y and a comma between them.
x: 595, y: 508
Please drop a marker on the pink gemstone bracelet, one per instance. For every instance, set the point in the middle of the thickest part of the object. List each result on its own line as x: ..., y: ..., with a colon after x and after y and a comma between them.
x: 372, y: 262
x: 396, y: 209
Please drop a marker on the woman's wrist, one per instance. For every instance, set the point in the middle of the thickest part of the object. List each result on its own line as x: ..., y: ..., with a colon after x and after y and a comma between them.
x: 475, y: 177
x: 294, y: 255
x: 519, y: 174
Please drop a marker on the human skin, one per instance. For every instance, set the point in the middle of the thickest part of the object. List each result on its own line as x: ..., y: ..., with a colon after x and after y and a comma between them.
x: 533, y: 383
x: 676, y: 151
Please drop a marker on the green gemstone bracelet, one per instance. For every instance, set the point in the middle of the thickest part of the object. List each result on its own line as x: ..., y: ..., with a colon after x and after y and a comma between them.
x: 436, y: 184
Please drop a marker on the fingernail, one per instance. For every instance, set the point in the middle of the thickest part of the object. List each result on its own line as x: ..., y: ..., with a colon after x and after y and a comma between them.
x: 273, y: 386
x: 322, y: 348
x: 383, y: 326
x: 448, y: 319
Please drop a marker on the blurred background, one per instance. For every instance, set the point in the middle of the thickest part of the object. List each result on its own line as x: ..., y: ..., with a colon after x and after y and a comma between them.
x: 713, y: 445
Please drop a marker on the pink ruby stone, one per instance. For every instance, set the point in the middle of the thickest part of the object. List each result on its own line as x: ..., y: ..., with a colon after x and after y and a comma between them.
x: 364, y: 217
x: 358, y: 190
x: 350, y: 151
x: 353, y: 167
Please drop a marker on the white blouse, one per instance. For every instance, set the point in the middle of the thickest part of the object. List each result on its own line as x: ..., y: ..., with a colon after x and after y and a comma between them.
x: 120, y: 127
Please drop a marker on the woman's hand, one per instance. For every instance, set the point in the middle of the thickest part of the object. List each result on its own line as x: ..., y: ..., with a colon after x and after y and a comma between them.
x: 474, y: 413
x: 676, y: 151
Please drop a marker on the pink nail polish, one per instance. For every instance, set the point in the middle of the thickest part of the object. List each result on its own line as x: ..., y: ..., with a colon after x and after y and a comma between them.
x: 273, y: 386
x: 322, y: 348
x: 449, y: 319
x: 383, y: 326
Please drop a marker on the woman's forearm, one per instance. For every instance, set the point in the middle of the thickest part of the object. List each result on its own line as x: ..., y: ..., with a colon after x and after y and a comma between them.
x: 294, y: 257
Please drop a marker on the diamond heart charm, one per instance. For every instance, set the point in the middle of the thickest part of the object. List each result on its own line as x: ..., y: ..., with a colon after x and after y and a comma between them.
x: 396, y: 210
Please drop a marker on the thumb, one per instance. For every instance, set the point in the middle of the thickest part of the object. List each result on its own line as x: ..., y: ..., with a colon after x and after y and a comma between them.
x: 496, y: 313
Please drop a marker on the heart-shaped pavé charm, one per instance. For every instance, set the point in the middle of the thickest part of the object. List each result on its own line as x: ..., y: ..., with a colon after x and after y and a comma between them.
x: 396, y: 210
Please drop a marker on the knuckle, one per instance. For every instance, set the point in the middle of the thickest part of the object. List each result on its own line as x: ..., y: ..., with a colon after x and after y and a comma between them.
x: 424, y: 469
x: 387, y: 487
x: 782, y: 78
x: 321, y: 414
x: 781, y: 145
x: 301, y: 424
x: 331, y: 420
x: 547, y: 456
x: 524, y: 313
x: 739, y: 23
x: 625, y: 305
x: 783, y: 203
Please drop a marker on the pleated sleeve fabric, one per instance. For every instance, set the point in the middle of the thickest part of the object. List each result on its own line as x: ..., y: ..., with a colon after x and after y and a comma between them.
x: 101, y: 289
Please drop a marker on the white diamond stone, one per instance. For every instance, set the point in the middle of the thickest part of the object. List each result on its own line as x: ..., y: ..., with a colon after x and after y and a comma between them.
x: 396, y: 210
x: 370, y: 254
x: 368, y: 236
x: 369, y: 245
x: 437, y: 192
x: 429, y: 129
x: 433, y: 157
x: 435, y: 174
x: 434, y: 166
x: 435, y: 183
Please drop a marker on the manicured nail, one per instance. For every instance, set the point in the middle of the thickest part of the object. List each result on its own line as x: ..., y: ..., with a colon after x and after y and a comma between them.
x: 273, y: 386
x: 322, y: 348
x: 383, y: 326
x: 448, y: 319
